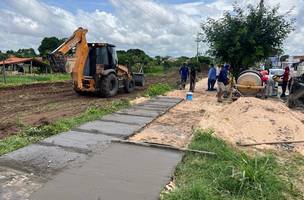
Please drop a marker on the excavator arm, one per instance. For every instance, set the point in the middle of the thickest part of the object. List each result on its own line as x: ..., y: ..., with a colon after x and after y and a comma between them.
x: 58, y: 60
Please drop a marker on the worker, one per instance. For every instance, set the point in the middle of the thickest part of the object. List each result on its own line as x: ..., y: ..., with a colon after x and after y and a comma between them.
x: 231, y: 82
x: 285, y: 81
x: 192, y: 78
x: 211, y: 77
x: 222, y: 82
x: 184, y: 73
x: 267, y: 91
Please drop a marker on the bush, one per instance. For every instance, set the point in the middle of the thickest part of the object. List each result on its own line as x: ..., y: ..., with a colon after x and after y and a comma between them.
x: 153, y: 69
x: 158, y: 89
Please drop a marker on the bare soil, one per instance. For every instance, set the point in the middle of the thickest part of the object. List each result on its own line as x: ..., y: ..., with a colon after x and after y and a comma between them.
x: 247, y: 120
x: 40, y: 104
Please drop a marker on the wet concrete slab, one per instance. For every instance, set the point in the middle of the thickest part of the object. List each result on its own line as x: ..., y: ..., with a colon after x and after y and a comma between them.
x: 159, y: 104
x: 18, y: 185
x: 122, y: 171
x: 153, y: 105
x: 79, y: 141
x: 85, y: 164
x: 167, y: 99
x: 129, y: 119
x: 41, y: 160
x: 151, y: 108
x: 114, y: 129
x: 141, y: 112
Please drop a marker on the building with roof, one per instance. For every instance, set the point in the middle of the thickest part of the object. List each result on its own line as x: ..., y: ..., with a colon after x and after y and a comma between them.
x: 24, y: 65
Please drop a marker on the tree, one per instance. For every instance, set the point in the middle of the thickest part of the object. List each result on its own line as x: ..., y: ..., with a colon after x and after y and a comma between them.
x: 48, y: 44
x: 158, y: 60
x: 133, y: 56
x: 205, y: 60
x: 22, y: 53
x: 26, y: 53
x: 248, y: 35
x: 3, y: 56
x: 122, y: 57
x: 284, y: 58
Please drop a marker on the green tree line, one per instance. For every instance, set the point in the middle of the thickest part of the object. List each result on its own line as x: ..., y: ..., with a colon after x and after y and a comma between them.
x: 136, y: 58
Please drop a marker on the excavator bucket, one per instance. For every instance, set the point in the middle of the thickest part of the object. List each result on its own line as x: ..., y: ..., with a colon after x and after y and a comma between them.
x: 58, y: 62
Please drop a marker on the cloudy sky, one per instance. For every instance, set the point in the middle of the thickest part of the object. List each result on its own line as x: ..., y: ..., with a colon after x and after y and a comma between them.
x: 159, y: 27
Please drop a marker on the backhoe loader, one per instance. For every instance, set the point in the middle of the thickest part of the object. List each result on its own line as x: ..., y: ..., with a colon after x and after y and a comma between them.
x: 95, y: 68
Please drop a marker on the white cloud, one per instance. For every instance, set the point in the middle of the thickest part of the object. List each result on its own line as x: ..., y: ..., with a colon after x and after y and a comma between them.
x: 165, y: 29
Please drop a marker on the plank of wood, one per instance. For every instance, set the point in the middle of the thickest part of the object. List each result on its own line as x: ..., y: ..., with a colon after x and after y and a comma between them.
x: 269, y: 143
x: 164, y: 146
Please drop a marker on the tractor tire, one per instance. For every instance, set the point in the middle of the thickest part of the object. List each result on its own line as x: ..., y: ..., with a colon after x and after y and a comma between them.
x: 109, y: 86
x: 129, y: 85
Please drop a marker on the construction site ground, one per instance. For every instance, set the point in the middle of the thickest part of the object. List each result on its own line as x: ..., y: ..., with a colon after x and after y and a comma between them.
x: 247, y: 120
x: 86, y: 151
x: 41, y: 104
x: 93, y: 161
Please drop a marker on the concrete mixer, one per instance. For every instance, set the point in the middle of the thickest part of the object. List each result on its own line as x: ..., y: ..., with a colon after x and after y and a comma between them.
x: 250, y: 83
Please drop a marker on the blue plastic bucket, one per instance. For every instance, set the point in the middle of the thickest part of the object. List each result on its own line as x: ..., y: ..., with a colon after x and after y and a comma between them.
x: 189, y: 96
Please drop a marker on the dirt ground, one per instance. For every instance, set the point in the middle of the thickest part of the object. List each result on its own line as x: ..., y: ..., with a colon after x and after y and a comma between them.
x: 40, y: 104
x: 246, y: 120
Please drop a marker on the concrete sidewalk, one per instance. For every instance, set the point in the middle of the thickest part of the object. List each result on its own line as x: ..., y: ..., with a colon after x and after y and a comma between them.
x: 85, y: 164
x: 122, y: 171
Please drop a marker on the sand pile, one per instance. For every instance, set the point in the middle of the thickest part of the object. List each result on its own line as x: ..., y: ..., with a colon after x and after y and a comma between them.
x: 247, y: 120
x: 250, y: 120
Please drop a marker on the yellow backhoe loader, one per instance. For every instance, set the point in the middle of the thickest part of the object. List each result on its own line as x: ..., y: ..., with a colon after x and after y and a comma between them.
x: 95, y: 68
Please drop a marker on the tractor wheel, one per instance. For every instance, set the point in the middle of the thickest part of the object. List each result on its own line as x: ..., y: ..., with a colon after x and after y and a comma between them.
x: 109, y: 86
x: 129, y: 85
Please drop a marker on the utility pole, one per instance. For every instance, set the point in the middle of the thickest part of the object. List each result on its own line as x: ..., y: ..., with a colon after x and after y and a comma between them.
x: 197, y: 40
x: 31, y: 66
x: 261, y: 4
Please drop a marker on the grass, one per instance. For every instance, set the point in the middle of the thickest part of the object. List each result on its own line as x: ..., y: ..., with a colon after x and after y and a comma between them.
x: 154, y: 70
x: 230, y: 174
x: 15, y: 80
x: 31, y: 135
x: 157, y: 89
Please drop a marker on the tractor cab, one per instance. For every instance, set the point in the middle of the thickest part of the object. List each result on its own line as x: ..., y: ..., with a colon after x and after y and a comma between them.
x: 100, y: 54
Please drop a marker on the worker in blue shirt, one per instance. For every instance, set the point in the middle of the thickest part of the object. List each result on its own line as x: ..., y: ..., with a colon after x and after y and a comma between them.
x: 184, y: 73
x: 222, y: 82
x: 211, y: 78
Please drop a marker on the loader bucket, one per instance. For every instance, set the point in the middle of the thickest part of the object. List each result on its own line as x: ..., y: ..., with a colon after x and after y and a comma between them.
x: 139, y: 78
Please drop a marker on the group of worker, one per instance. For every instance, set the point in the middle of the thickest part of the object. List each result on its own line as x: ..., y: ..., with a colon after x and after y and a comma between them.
x: 222, y: 78
x: 270, y: 84
x: 185, y: 73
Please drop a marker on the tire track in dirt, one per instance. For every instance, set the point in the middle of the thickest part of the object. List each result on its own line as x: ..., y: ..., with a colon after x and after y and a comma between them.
x: 44, y: 103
